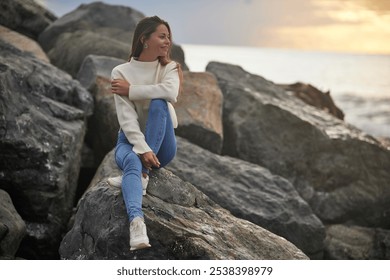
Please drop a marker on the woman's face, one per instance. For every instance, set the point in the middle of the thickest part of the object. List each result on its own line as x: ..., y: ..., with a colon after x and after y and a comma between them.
x: 158, y: 42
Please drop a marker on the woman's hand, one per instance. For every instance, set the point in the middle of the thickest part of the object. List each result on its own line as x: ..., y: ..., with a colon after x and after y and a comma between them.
x: 120, y: 87
x: 149, y: 160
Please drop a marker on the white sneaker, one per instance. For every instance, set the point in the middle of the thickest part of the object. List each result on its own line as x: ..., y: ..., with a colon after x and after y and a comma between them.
x: 138, y: 237
x: 145, y: 182
x: 117, y: 182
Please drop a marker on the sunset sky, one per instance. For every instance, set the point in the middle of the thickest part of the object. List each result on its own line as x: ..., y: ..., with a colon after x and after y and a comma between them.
x: 361, y: 26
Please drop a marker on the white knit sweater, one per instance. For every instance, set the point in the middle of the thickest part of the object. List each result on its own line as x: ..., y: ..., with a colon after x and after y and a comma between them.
x: 148, y: 80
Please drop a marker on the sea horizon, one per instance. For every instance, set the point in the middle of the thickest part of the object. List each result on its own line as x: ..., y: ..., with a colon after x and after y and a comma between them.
x: 358, y: 83
x: 277, y: 60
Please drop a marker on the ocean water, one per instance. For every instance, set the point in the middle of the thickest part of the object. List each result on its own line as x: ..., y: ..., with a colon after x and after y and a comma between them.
x: 359, y: 84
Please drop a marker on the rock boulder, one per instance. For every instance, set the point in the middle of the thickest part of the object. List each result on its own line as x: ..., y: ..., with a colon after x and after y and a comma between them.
x: 95, y: 28
x: 103, y: 126
x: 342, y: 172
x: 23, y: 43
x: 199, y: 111
x: 357, y: 243
x: 12, y: 227
x: 313, y: 96
x: 25, y: 16
x: 182, y: 223
x: 252, y: 193
x: 42, y: 128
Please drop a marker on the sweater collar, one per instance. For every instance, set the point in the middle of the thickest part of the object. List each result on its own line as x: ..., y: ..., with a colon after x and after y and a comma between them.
x: 144, y: 64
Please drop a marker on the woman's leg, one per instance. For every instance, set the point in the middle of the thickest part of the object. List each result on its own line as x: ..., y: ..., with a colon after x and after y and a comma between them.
x: 131, y: 165
x: 159, y: 132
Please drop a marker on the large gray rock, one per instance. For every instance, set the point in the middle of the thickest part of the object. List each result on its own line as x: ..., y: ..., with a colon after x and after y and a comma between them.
x: 95, y: 28
x: 342, y: 172
x: 199, y: 111
x: 42, y: 128
x: 253, y: 193
x: 25, y: 16
x: 12, y: 227
x: 357, y: 243
x: 182, y: 223
x: 103, y: 126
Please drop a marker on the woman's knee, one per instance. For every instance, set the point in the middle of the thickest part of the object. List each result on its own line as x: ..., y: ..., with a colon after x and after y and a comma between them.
x: 131, y: 158
x: 166, y: 156
x: 158, y: 106
x: 131, y: 161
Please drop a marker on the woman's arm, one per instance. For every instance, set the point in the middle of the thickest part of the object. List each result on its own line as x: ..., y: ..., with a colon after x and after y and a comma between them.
x: 128, y: 121
x: 167, y: 89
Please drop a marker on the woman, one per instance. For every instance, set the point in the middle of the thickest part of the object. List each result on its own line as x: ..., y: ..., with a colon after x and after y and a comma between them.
x: 143, y: 89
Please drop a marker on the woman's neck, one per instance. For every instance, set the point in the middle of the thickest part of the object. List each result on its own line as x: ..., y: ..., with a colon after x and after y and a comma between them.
x: 145, y: 57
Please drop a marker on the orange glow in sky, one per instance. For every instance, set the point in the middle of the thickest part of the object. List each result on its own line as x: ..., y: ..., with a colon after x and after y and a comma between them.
x: 346, y: 26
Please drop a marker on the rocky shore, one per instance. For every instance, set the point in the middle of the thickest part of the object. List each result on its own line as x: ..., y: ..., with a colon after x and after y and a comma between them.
x: 263, y: 171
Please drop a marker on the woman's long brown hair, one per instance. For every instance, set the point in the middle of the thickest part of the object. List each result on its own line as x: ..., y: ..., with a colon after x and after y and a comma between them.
x: 143, y: 30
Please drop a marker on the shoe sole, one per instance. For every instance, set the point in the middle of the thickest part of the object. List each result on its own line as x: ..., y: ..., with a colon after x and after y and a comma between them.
x: 140, y: 246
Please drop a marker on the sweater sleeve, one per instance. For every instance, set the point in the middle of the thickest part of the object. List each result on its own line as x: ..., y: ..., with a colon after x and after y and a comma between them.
x: 128, y: 121
x: 167, y: 89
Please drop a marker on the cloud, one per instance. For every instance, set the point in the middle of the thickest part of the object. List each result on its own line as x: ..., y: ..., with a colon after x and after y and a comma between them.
x: 309, y: 24
x: 381, y: 7
x: 331, y: 25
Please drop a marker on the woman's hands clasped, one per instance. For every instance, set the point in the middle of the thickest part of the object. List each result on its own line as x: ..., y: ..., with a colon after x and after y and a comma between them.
x: 149, y: 160
x: 120, y: 87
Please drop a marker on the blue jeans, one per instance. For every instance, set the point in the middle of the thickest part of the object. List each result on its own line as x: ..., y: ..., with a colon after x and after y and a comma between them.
x: 160, y: 136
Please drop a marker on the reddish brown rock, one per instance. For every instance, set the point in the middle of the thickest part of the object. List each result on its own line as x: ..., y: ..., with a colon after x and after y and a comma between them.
x: 199, y: 111
x: 313, y: 96
x: 23, y: 43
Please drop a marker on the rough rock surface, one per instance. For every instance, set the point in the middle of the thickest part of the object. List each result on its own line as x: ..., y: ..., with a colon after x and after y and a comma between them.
x: 95, y: 28
x: 103, y: 126
x: 313, y: 96
x: 199, y: 111
x: 182, y: 223
x: 252, y: 193
x: 342, y: 172
x: 357, y: 243
x: 42, y: 128
x: 23, y: 43
x: 25, y: 16
x: 12, y: 227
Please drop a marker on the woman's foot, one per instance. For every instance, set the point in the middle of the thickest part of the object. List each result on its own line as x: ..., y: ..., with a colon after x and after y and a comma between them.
x: 138, y: 237
x: 145, y: 182
x: 117, y: 182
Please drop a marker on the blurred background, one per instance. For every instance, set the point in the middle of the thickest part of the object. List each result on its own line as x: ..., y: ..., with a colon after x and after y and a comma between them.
x: 338, y: 45
x: 361, y: 26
